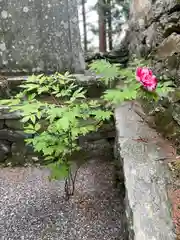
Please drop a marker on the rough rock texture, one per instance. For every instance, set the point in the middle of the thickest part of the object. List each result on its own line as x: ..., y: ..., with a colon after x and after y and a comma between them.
x: 117, y: 55
x: 164, y: 116
x: 154, y: 29
x: 39, y: 36
x: 146, y: 178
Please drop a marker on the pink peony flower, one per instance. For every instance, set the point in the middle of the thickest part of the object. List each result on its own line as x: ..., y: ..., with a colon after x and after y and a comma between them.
x: 145, y: 76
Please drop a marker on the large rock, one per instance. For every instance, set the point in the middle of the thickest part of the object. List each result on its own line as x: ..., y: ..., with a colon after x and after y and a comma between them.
x: 39, y: 35
x: 12, y: 136
x: 14, y: 124
x: 6, y: 114
x: 154, y: 32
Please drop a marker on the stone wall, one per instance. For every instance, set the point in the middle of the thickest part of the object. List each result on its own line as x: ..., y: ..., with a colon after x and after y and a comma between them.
x: 39, y: 36
x: 12, y: 146
x: 154, y: 31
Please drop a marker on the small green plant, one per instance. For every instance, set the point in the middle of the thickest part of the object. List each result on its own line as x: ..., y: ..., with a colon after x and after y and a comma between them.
x: 67, y: 115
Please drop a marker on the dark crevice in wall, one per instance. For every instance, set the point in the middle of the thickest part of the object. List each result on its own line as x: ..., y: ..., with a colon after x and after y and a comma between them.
x: 176, y: 8
x: 169, y: 31
x: 154, y: 20
x: 143, y: 41
x: 120, y: 185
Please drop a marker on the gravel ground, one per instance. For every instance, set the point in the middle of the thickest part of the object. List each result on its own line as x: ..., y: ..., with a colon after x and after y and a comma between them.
x: 32, y: 208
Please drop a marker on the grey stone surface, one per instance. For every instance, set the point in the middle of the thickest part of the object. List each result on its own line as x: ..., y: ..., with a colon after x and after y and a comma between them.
x: 15, y: 124
x: 20, y: 146
x: 6, y: 114
x: 154, y: 31
x: 91, y: 83
x: 40, y: 35
x: 1, y: 124
x: 176, y: 113
x: 12, y: 136
x: 5, y: 149
x: 146, y: 178
x: 22, y: 155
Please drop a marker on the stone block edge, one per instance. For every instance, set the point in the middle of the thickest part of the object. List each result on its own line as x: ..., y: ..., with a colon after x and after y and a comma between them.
x: 148, y: 208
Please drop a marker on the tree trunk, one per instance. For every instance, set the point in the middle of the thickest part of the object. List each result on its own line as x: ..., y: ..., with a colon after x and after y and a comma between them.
x: 109, y: 21
x: 84, y: 25
x: 102, y: 26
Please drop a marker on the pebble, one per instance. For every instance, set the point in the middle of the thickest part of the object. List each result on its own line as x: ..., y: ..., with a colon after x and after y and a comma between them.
x: 33, y: 208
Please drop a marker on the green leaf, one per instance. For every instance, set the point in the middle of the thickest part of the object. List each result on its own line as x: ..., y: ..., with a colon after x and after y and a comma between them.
x: 30, y: 86
x: 64, y: 93
x: 29, y: 141
x: 42, y: 79
x: 31, y: 97
x: 33, y: 118
x: 39, y: 115
x: 43, y: 89
x: 48, y: 151
x: 87, y: 129
x: 49, y: 158
x: 58, y: 171
x: 55, y: 112
x: 10, y: 102
x: 29, y: 129
x: 108, y: 72
x: 79, y: 93
x: 37, y: 127
x: 94, y: 103
x: 63, y: 123
x: 101, y: 115
x: 114, y: 95
x: 25, y: 119
x: 32, y: 78
x: 73, y: 116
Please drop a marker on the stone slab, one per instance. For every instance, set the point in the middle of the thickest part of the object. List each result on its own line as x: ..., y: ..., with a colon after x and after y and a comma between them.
x: 94, y: 86
x: 146, y: 178
x: 40, y: 36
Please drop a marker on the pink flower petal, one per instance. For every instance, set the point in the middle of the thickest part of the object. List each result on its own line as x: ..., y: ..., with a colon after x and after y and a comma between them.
x: 147, y: 71
x: 138, y: 71
x: 146, y: 78
x: 138, y: 74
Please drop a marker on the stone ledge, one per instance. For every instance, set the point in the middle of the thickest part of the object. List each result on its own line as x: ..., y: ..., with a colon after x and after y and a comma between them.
x: 87, y: 77
x: 88, y: 80
x: 148, y: 207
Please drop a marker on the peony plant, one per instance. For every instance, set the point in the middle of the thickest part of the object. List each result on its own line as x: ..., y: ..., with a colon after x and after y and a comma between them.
x: 133, y: 82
